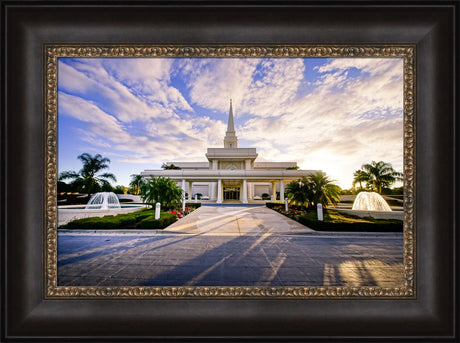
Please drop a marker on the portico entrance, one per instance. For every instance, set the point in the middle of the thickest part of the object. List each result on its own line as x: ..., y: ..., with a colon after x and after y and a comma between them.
x: 231, y: 193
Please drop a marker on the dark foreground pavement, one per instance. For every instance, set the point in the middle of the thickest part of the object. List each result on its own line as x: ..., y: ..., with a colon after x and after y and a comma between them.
x: 229, y: 260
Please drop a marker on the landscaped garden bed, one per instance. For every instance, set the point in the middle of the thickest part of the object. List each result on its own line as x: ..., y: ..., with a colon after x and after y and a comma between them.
x: 336, y: 221
x: 143, y: 220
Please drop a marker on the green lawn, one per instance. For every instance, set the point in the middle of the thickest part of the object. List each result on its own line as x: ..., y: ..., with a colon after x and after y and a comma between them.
x: 336, y: 221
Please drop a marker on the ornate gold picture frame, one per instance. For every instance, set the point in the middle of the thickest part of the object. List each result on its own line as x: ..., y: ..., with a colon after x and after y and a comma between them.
x: 407, y: 290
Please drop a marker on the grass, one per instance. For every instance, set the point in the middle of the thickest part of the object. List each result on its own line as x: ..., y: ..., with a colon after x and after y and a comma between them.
x: 336, y: 221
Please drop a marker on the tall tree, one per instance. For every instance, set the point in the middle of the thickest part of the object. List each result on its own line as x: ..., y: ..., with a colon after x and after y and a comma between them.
x: 86, y: 179
x: 360, y: 176
x: 380, y: 175
x: 162, y: 190
x: 136, y: 182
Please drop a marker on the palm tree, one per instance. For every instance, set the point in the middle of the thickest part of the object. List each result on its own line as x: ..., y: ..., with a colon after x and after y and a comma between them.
x: 380, y: 175
x: 162, y: 190
x: 136, y: 181
x: 299, y: 192
x: 86, y: 179
x: 360, y: 176
x: 323, y: 190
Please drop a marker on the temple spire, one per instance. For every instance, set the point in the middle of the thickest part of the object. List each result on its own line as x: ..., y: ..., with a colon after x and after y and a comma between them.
x: 230, y: 125
x: 230, y: 139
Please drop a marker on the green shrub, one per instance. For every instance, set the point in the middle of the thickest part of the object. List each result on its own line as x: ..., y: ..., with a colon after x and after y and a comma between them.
x: 150, y: 223
x: 93, y: 223
x: 274, y: 204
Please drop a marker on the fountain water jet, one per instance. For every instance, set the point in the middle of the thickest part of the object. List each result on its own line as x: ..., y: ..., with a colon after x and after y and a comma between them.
x: 370, y: 201
x: 103, y: 201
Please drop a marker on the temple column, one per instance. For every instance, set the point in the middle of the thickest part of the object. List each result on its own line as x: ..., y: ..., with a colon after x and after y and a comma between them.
x: 245, y: 192
x: 282, y: 190
x: 274, y: 190
x: 183, y: 188
x: 214, y: 164
x: 219, y: 191
x: 190, y: 190
x: 213, y: 190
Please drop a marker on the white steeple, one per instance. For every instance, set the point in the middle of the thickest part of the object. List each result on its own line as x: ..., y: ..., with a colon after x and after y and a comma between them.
x: 230, y: 139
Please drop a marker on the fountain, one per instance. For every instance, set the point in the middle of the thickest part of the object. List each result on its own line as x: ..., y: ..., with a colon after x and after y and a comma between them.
x: 99, y: 205
x: 370, y: 201
x: 103, y: 201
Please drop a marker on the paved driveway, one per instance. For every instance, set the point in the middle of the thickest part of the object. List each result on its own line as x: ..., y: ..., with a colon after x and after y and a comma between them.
x: 225, y: 246
x: 236, y: 220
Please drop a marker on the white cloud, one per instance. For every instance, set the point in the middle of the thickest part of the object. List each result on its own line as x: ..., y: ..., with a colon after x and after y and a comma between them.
x: 106, y: 83
x: 258, y: 87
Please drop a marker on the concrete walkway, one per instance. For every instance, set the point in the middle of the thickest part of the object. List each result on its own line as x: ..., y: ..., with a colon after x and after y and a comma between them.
x: 233, y: 220
x: 230, y: 246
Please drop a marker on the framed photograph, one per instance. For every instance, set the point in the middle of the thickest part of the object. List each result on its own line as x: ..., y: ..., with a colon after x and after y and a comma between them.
x: 249, y: 115
x: 232, y: 242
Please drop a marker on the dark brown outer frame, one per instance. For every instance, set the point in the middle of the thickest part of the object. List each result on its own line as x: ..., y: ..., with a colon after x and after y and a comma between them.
x: 27, y: 27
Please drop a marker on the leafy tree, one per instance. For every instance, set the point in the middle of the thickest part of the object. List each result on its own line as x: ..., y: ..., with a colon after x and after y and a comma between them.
x: 86, y: 179
x: 169, y: 166
x: 162, y: 190
x: 136, y: 182
x: 107, y: 187
x: 293, y: 168
x: 379, y: 175
x: 265, y: 196
x: 120, y: 190
x: 323, y: 190
x: 63, y: 187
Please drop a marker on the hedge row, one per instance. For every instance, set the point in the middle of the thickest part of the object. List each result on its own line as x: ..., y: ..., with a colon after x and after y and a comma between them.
x: 141, y: 219
x: 150, y: 223
x: 376, y: 225
x: 187, y: 204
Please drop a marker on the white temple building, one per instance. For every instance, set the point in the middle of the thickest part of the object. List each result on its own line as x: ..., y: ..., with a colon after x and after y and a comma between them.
x: 232, y: 173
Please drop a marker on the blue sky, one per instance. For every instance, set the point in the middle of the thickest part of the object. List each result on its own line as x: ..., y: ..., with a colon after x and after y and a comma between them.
x: 327, y: 114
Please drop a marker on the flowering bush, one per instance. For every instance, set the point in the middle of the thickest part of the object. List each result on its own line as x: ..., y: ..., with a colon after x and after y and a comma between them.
x: 180, y: 214
x: 293, y: 212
